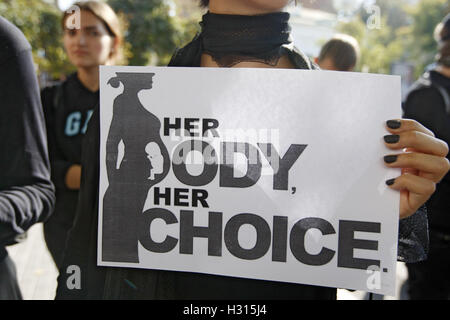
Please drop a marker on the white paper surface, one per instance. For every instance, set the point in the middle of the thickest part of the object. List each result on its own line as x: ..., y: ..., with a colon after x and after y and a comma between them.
x: 340, y: 175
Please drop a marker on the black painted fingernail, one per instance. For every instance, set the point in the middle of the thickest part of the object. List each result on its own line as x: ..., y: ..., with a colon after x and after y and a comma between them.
x: 394, y: 124
x: 392, y: 138
x: 390, y: 159
x: 390, y: 182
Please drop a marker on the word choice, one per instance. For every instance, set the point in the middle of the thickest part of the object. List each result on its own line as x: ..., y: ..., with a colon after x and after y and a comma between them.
x: 278, y: 238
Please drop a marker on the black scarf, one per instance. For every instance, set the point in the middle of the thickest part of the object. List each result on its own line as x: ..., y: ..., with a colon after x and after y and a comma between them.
x: 230, y: 39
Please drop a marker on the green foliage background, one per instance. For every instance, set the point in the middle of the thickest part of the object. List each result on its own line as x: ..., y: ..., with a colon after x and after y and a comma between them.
x: 152, y: 34
x: 40, y: 22
x: 153, y: 31
x: 405, y: 34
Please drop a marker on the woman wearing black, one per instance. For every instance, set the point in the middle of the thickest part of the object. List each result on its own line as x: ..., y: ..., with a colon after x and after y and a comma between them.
x: 254, y: 34
x: 68, y: 108
x: 429, y: 103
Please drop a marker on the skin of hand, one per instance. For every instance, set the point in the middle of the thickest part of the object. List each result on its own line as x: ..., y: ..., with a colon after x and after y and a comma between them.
x: 423, y: 163
x: 73, y: 177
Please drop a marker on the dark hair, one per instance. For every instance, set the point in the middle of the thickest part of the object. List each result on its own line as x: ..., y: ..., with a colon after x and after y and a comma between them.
x: 343, y: 50
x: 442, y: 36
x: 442, y: 32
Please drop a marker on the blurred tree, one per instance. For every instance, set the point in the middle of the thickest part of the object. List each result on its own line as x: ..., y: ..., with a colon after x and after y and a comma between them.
x: 405, y: 34
x: 379, y: 46
x: 40, y: 22
x: 189, y: 9
x: 395, y: 12
x: 426, y: 15
x: 154, y: 31
x: 189, y: 14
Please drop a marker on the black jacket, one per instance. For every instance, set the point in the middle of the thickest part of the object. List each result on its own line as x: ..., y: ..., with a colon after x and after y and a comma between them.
x: 67, y: 111
x: 26, y: 192
x: 426, y: 104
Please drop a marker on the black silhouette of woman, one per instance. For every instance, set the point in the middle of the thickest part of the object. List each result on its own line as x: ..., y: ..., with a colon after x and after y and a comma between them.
x: 145, y: 163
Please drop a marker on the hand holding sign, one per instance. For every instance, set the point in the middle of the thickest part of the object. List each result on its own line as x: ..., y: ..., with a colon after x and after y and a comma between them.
x: 248, y: 188
x: 423, y: 164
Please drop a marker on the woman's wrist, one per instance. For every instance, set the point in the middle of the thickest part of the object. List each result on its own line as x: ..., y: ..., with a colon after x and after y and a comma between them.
x: 73, y: 177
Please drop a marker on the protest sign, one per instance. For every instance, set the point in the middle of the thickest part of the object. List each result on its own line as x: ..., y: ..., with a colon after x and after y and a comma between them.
x: 253, y: 173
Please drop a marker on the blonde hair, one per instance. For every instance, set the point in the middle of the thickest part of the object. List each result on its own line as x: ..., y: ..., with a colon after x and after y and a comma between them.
x: 109, y: 18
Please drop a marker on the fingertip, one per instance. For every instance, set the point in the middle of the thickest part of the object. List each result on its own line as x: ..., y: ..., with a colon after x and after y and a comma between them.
x: 394, y: 124
x: 391, y: 139
x: 390, y: 182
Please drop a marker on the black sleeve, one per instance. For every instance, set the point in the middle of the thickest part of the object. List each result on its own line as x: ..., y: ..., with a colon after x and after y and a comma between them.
x: 425, y: 106
x: 420, y: 105
x: 413, y: 240
x: 26, y: 192
x: 59, y: 164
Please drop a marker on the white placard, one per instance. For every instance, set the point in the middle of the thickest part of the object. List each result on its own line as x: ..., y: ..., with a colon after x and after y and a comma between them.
x: 274, y: 174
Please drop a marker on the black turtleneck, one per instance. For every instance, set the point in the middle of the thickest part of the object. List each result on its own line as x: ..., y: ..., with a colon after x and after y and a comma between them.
x: 231, y: 39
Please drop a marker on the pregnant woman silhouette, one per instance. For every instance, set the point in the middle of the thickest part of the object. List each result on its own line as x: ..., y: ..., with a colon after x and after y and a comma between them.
x: 144, y: 164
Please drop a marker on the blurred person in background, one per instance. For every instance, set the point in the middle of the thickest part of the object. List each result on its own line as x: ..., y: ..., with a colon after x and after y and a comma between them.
x: 429, y: 103
x: 341, y: 53
x: 68, y: 108
x: 26, y: 192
